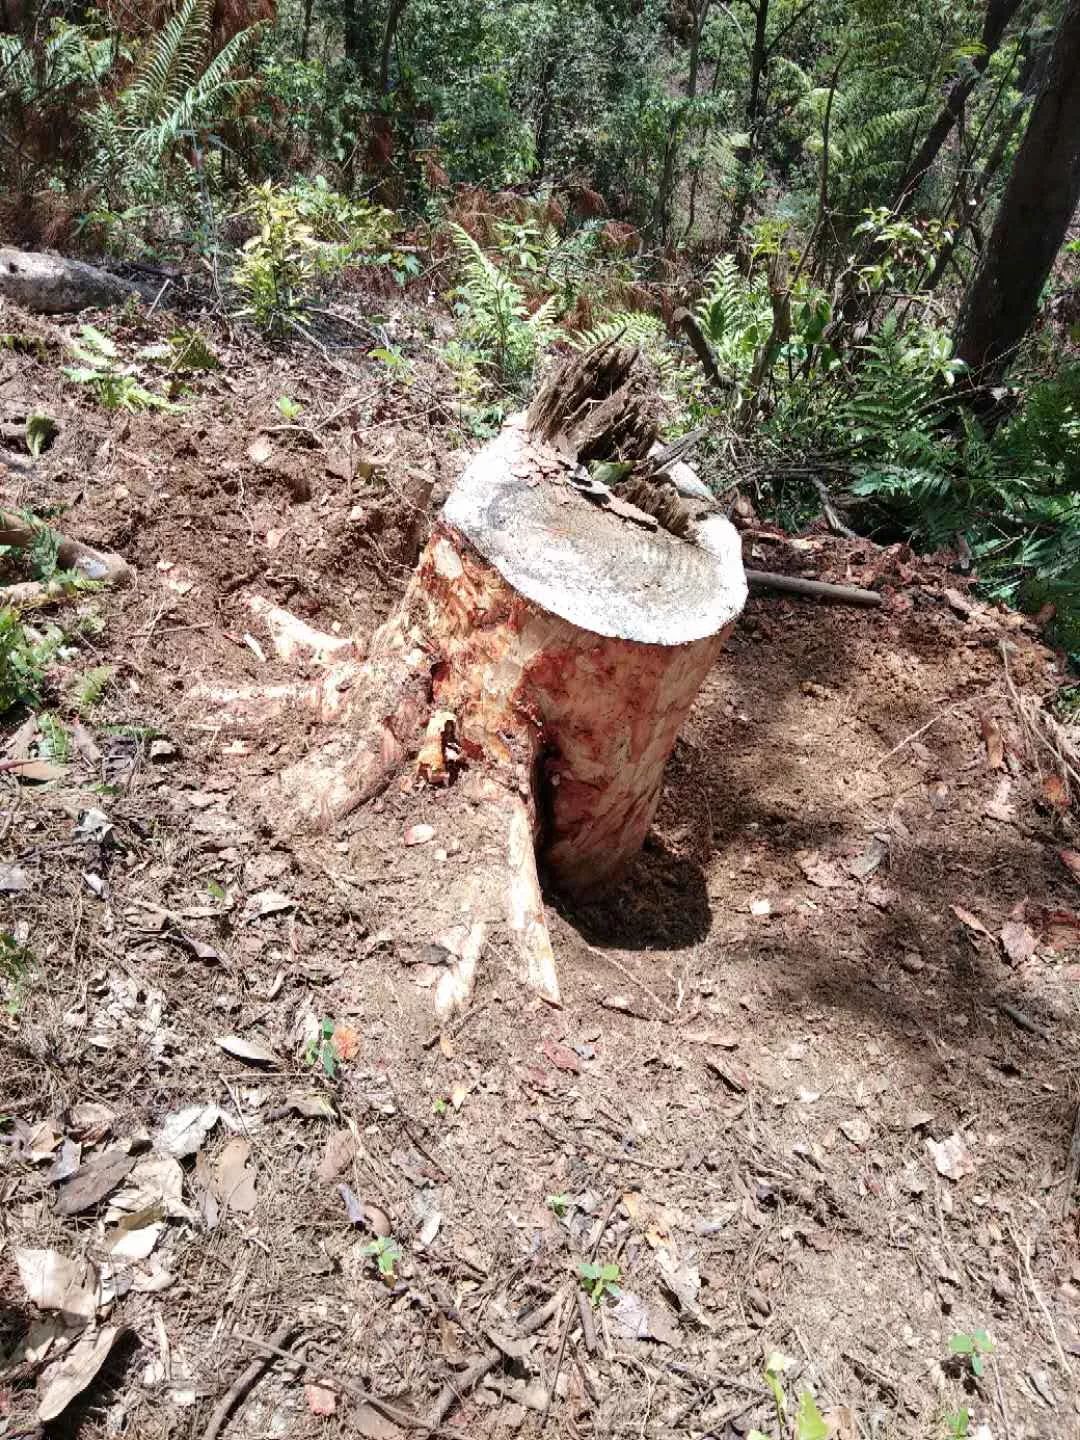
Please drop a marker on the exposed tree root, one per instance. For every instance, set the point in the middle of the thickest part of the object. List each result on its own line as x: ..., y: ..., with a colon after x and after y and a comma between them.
x: 91, y: 564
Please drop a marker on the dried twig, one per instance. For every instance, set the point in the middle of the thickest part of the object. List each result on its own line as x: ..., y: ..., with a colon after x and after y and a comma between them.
x: 463, y: 1383
x: 812, y: 589
x: 594, y: 1250
x: 248, y: 1377
x: 1025, y: 1271
x: 338, y: 1382
x: 934, y: 719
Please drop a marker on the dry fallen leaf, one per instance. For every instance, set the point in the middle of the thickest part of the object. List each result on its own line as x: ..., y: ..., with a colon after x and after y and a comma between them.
x: 995, y: 746
x: 632, y: 1318
x: 156, y: 1181
x: 819, y: 871
x: 53, y: 1282
x: 951, y: 1157
x: 372, y: 1425
x: 1056, y: 793
x: 972, y: 922
x: 1071, y: 860
x: 561, y: 1056
x: 340, y: 1148
x: 346, y: 1042
x: 419, y: 834
x: 254, y: 1051
x: 234, y: 1178
x: 93, y: 1181
x: 1002, y: 806
x: 184, y: 1131
x: 135, y: 1242
x: 267, y: 902
x: 41, y: 771
x: 1018, y: 941
x: 320, y: 1400
x: 857, y: 1131
x: 69, y: 1377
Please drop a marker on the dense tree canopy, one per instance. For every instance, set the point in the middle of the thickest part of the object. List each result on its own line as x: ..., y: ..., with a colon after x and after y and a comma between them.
x: 820, y: 184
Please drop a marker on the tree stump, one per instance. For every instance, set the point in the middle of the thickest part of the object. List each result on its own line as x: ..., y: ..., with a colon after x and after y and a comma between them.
x: 543, y: 659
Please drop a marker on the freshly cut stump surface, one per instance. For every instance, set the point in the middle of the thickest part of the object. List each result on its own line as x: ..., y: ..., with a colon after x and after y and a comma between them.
x: 594, y: 644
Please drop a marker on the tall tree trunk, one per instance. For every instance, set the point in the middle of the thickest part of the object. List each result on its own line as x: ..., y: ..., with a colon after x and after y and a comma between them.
x: 998, y: 15
x: 1039, y: 202
x: 759, y: 56
x: 393, y: 19
x: 661, y: 219
x: 305, y: 34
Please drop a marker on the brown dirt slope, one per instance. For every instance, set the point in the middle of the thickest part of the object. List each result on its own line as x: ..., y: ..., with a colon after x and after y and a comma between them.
x: 813, y: 1084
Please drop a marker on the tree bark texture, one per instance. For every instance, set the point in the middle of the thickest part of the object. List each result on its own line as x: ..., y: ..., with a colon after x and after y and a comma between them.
x: 1033, y: 218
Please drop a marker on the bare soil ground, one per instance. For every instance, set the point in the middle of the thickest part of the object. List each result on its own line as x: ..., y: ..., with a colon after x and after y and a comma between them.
x: 812, y: 1087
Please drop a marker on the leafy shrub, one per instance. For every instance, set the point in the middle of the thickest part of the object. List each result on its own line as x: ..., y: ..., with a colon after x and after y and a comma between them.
x: 505, y: 339
x: 307, y: 234
x: 24, y: 660
x: 178, y: 92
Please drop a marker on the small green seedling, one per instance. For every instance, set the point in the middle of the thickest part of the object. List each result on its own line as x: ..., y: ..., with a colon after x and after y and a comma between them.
x: 320, y: 1049
x: 92, y: 686
x: 386, y: 1252
x: 16, y: 971
x: 289, y: 408
x: 598, y: 1280
x: 973, y: 1348
x: 958, y: 1424
x: 41, y: 431
x: 558, y: 1204
x: 809, y: 1421
x: 440, y: 1106
x: 55, y: 741
x: 216, y: 890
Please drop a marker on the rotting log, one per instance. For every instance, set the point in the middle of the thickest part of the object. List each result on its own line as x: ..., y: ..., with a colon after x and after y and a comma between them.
x: 53, y: 285
x: 544, y: 656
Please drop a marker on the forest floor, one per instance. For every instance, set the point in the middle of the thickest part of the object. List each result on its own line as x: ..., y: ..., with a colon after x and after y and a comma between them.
x: 814, y: 1080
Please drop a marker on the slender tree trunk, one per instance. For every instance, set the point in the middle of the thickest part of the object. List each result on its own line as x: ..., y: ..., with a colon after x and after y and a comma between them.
x: 393, y: 19
x: 661, y: 220
x: 1031, y: 80
x: 1032, y: 221
x: 305, y: 34
x: 759, y: 55
x: 543, y: 119
x: 998, y: 15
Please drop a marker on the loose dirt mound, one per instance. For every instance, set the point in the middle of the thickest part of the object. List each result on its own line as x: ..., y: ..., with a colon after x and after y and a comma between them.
x: 813, y: 1084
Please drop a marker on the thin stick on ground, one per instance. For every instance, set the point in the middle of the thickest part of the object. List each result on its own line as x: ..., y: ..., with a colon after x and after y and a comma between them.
x: 1026, y: 1273
x: 1072, y: 1167
x: 907, y: 740
x: 338, y: 1382
x: 463, y: 1383
x: 247, y: 1378
x: 594, y: 1250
